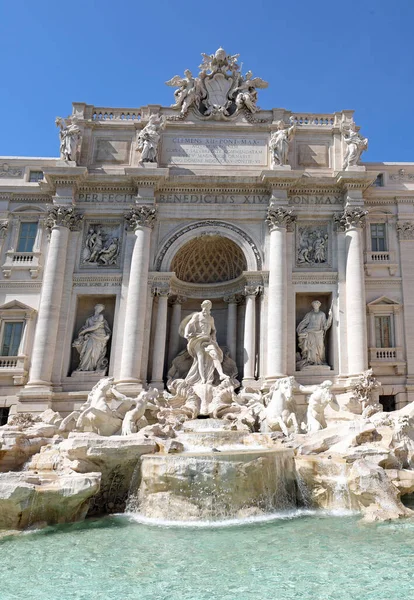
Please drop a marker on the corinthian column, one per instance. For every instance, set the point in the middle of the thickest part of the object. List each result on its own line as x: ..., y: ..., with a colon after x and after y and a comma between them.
x: 250, y: 292
x: 352, y: 221
x: 60, y: 220
x: 278, y: 220
x: 174, y: 326
x: 231, y: 338
x: 141, y: 219
x: 158, y: 350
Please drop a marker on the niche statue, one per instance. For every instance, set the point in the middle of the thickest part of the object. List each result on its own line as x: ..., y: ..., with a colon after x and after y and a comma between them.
x: 311, y: 336
x: 92, y: 341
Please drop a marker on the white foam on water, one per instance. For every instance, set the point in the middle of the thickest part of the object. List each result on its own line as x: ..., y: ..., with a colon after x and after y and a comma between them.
x: 277, y: 516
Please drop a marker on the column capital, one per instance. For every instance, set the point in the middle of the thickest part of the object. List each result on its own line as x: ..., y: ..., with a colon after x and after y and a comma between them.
x: 350, y: 218
x: 141, y: 215
x: 178, y: 300
x: 278, y: 217
x: 158, y: 290
x: 63, y: 216
x: 405, y: 230
x: 233, y: 298
x: 252, y: 290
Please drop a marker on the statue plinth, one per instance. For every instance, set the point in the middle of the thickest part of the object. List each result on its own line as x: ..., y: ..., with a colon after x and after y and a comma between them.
x: 316, y: 370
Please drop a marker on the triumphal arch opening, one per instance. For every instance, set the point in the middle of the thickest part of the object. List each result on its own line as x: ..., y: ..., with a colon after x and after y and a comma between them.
x: 303, y: 251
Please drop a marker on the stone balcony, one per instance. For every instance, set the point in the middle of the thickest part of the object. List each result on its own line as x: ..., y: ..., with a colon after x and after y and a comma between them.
x: 21, y: 261
x: 387, y: 357
x: 378, y: 260
x: 15, y: 367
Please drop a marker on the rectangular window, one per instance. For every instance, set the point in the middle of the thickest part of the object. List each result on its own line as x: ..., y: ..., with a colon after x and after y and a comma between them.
x: 4, y: 415
x: 379, y: 182
x: 12, y: 336
x: 35, y: 176
x: 27, y: 236
x: 378, y: 241
x: 383, y: 332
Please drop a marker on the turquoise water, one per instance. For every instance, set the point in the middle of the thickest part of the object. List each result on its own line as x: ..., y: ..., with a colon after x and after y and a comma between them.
x: 305, y: 557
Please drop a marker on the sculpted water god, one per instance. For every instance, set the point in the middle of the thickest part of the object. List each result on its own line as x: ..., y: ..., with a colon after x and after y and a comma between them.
x: 202, y: 346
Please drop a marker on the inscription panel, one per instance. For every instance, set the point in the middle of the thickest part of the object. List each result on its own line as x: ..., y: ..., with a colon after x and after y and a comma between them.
x: 206, y: 150
x: 313, y: 199
x: 171, y: 198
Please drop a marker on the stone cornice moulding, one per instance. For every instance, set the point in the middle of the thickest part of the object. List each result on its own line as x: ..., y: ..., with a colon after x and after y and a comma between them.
x: 147, y: 176
x: 63, y: 176
x: 355, y: 180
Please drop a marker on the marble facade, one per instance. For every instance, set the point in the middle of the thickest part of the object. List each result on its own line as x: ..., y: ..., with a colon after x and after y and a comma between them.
x: 211, y: 211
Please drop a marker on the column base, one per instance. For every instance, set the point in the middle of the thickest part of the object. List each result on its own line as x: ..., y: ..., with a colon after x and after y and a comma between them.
x: 159, y: 385
x: 129, y: 388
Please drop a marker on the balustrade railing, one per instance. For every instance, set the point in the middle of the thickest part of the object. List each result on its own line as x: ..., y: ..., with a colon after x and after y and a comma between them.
x: 385, y: 354
x: 119, y: 114
x: 327, y: 120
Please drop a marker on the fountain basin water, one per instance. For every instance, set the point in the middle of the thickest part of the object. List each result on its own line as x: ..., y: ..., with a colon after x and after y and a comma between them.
x: 209, y: 485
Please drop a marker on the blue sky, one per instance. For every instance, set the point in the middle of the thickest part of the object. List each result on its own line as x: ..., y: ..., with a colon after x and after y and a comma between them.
x: 319, y: 56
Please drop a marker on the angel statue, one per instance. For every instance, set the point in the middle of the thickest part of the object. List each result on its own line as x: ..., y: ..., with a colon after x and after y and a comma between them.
x: 356, y: 145
x: 279, y: 143
x: 190, y: 91
x: 246, y: 94
x: 69, y: 135
x: 149, y: 137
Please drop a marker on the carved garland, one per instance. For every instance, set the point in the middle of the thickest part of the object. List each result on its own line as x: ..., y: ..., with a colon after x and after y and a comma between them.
x: 405, y: 230
x: 211, y: 223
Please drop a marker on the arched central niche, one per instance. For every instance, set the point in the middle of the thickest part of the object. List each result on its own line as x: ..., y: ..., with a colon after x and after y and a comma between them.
x: 209, y: 258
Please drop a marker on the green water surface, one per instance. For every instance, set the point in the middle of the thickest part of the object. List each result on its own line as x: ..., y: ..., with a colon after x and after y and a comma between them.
x: 301, y: 556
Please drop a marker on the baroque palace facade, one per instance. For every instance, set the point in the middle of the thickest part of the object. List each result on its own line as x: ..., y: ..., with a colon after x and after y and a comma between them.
x: 150, y: 211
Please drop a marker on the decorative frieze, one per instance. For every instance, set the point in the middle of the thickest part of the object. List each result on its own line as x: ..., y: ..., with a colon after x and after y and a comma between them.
x: 8, y: 172
x: 101, y: 244
x: 405, y: 230
x: 141, y: 216
x: 63, y: 216
x: 279, y: 217
x: 312, y: 244
x: 401, y: 176
x: 351, y: 217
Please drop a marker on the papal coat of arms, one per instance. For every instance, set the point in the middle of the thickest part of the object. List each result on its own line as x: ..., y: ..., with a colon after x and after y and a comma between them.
x: 220, y: 91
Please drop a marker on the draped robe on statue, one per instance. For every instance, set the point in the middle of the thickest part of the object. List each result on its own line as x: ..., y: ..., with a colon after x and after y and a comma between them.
x: 202, y: 347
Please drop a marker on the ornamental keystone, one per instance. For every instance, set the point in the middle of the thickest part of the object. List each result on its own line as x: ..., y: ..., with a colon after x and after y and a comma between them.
x: 141, y: 216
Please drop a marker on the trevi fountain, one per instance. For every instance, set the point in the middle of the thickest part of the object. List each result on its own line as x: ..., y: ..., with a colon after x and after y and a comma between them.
x: 189, y: 450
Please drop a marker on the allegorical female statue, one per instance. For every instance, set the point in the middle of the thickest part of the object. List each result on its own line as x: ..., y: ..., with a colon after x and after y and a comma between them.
x: 311, y: 336
x: 92, y: 341
x: 69, y: 135
x: 148, y: 139
x: 355, y: 145
x: 279, y: 144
